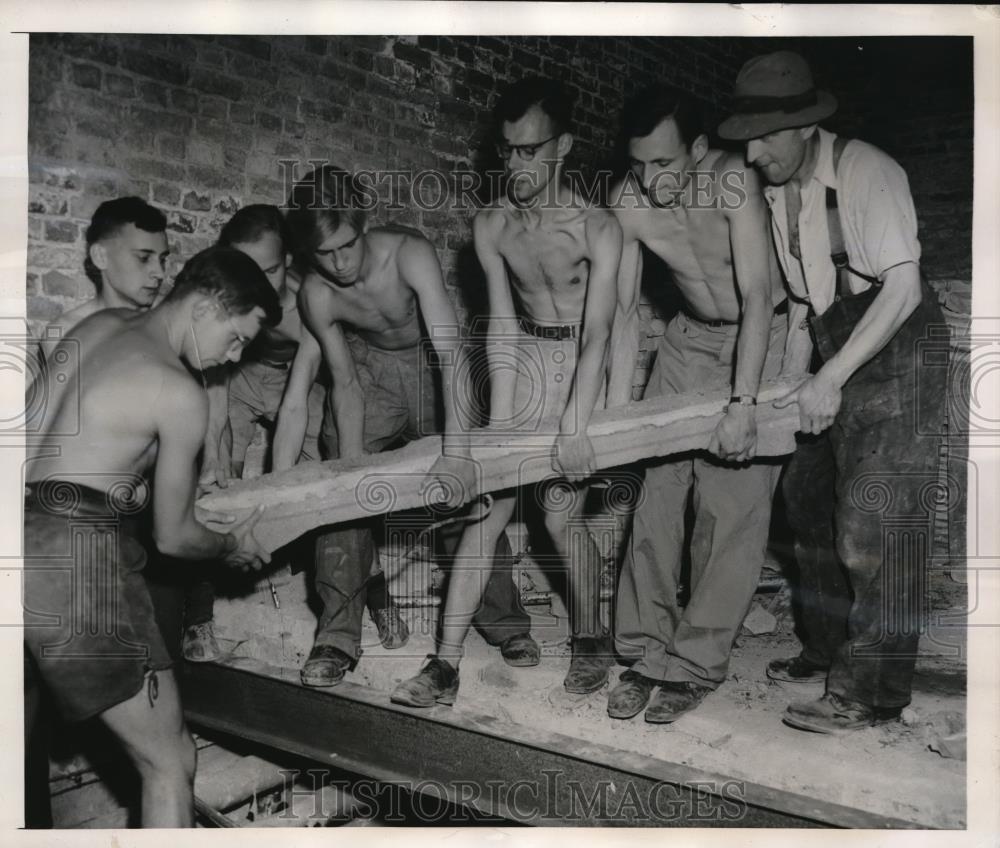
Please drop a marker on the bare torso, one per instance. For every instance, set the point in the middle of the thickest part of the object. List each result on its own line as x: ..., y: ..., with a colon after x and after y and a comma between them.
x: 100, y: 417
x: 547, y: 259
x: 382, y: 309
x: 694, y: 242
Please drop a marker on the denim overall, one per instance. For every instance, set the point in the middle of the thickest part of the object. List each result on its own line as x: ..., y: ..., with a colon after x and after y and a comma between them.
x: 860, y: 498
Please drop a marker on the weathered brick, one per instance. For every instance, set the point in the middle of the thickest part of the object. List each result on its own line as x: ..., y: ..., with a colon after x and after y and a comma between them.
x: 59, y: 284
x: 183, y: 100
x: 172, y: 146
x: 269, y: 122
x: 166, y: 194
x: 155, y: 169
x: 86, y: 76
x: 234, y: 159
x: 212, y: 82
x: 155, y: 67
x: 96, y: 48
x: 117, y: 85
x: 254, y: 45
x: 44, y: 309
x: 155, y: 120
x: 197, y: 202
x: 241, y: 113
x: 154, y: 94
x: 65, y: 231
x: 212, y: 178
x: 179, y: 222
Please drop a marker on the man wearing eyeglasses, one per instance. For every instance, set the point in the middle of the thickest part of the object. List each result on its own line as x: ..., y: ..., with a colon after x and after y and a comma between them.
x: 701, y: 211
x: 547, y: 250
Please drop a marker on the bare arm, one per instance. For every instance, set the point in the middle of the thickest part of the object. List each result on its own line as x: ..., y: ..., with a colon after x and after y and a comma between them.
x: 319, y: 315
x: 503, y: 330
x: 749, y: 240
x: 293, y: 413
x: 181, y: 415
x: 574, y: 453
x: 625, y: 331
x: 215, y: 465
x: 422, y: 272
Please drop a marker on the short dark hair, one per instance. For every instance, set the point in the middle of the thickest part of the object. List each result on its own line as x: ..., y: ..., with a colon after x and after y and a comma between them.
x: 250, y: 224
x: 231, y: 276
x: 108, y: 221
x: 551, y: 96
x: 319, y: 203
x: 649, y: 106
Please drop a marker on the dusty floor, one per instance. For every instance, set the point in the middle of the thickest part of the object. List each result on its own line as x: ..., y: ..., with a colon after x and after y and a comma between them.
x: 737, y: 731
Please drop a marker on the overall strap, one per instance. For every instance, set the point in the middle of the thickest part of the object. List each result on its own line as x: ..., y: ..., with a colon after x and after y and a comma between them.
x: 838, y: 252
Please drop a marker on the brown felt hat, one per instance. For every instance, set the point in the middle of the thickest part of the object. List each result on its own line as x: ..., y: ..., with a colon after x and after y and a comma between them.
x: 775, y: 92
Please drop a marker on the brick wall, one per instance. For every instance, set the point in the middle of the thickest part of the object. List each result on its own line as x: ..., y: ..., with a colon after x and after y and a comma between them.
x: 197, y: 126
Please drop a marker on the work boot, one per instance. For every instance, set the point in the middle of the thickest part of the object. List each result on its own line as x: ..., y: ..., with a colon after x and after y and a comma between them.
x: 673, y: 700
x: 797, y: 670
x: 520, y: 651
x: 200, y: 644
x: 437, y: 683
x: 392, y: 630
x: 835, y: 715
x: 590, y: 664
x: 326, y: 666
x: 631, y: 694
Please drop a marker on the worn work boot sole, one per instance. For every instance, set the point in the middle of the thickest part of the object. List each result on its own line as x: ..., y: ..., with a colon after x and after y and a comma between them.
x: 520, y: 651
x: 437, y: 683
x: 796, y: 670
x: 835, y: 716
x: 325, y: 667
x: 630, y: 696
x: 674, y: 700
x: 590, y: 666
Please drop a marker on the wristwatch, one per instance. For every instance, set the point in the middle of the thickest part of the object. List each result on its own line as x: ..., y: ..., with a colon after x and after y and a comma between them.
x: 743, y: 400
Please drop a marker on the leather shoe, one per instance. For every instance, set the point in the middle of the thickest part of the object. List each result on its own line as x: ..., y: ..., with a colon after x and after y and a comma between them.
x: 437, y: 683
x: 835, y: 715
x: 326, y: 666
x: 590, y: 664
x: 796, y: 670
x: 673, y: 700
x: 631, y: 694
x: 520, y: 651
x: 392, y: 630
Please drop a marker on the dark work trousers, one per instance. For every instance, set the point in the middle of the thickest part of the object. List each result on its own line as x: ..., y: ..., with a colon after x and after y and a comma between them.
x: 860, y: 499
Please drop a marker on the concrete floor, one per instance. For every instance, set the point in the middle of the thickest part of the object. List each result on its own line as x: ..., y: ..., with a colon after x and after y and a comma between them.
x: 737, y: 731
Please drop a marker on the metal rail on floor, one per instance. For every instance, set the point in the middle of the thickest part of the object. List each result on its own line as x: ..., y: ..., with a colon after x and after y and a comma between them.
x: 514, y: 771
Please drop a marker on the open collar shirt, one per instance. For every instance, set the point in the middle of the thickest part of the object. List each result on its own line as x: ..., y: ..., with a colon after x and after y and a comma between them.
x: 876, y: 212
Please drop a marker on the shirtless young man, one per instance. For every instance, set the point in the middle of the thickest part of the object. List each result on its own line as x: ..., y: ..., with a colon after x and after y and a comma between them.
x: 129, y: 410
x: 558, y: 256
x: 126, y: 257
x: 370, y: 297
x: 701, y: 211
x: 252, y: 392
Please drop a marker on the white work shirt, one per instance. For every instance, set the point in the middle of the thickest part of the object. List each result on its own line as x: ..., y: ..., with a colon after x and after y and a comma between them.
x: 876, y: 212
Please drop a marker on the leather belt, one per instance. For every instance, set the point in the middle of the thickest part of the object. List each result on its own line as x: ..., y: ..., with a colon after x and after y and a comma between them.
x: 553, y: 333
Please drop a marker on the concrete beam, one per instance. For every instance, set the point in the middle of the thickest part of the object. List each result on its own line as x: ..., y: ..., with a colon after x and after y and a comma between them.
x: 318, y: 493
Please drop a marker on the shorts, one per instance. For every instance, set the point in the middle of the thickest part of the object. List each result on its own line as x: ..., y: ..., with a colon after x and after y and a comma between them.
x: 88, y: 618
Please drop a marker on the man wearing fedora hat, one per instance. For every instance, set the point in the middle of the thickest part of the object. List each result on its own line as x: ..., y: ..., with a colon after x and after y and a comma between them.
x: 856, y: 489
